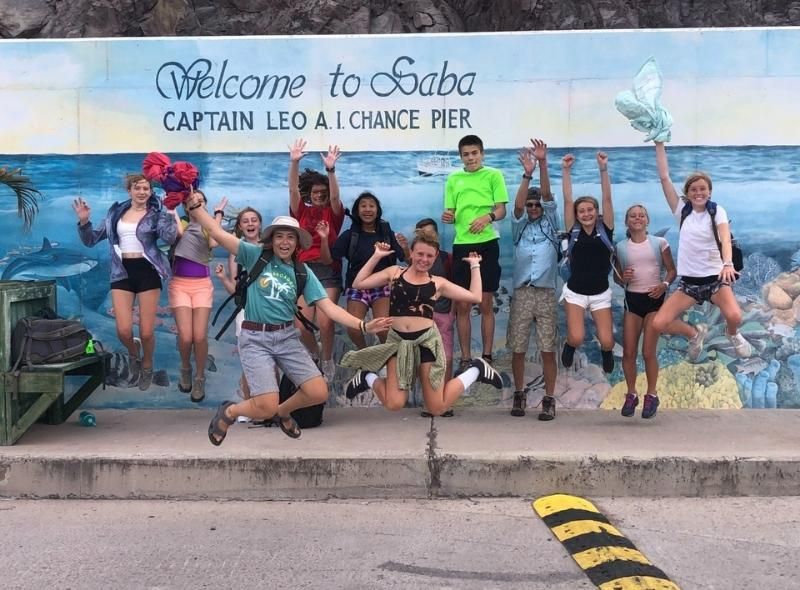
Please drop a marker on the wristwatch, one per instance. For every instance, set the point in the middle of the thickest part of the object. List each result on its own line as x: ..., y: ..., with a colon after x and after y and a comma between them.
x: 527, y: 176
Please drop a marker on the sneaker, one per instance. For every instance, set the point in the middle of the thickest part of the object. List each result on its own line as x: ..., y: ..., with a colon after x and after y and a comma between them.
x: 650, y: 406
x: 463, y: 365
x: 185, y: 382
x: 740, y: 345
x: 608, y: 361
x: 198, y: 390
x: 520, y: 401
x: 695, y: 347
x: 328, y: 370
x: 446, y: 414
x: 486, y: 373
x: 356, y: 385
x: 243, y: 419
x: 567, y: 354
x: 548, y: 408
x: 145, y: 378
x: 629, y: 407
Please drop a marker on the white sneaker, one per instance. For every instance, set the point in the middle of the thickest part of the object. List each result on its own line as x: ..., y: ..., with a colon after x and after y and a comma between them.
x: 740, y: 345
x: 695, y: 348
x: 328, y: 370
x: 244, y: 419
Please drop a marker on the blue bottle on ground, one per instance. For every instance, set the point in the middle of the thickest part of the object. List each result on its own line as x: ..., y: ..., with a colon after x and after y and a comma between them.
x: 87, y: 419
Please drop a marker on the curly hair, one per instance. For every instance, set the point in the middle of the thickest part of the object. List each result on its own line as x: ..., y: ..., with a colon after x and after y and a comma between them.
x: 308, y: 179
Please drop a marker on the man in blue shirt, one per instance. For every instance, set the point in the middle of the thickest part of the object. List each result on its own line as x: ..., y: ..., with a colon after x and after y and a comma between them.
x: 534, y: 229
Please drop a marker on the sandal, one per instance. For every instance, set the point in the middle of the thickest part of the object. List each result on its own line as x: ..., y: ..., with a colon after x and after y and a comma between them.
x: 214, y: 430
x: 292, y: 431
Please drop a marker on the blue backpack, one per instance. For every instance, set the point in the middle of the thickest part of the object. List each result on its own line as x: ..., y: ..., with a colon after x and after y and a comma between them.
x: 564, y: 268
x: 655, y: 244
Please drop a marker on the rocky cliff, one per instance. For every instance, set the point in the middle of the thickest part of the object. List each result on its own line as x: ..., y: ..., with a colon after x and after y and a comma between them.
x: 135, y: 18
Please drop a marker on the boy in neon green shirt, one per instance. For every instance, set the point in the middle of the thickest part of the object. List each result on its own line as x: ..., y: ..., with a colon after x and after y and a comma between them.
x: 474, y: 199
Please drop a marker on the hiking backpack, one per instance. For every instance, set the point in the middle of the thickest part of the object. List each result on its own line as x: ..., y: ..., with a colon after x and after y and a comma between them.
x: 655, y: 245
x: 38, y: 340
x: 564, y: 267
x: 737, y: 256
x: 243, y: 281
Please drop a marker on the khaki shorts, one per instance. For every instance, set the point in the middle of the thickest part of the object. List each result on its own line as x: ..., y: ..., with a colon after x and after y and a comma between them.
x: 528, y: 305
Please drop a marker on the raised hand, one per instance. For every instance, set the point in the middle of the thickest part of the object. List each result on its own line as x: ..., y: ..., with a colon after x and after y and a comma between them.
x: 472, y: 258
x: 82, y: 210
x: 602, y: 160
x: 222, y: 205
x: 378, y: 325
x: 323, y: 230
x: 382, y: 250
x: 527, y: 160
x: 329, y: 159
x: 539, y: 149
x: 401, y: 240
x: 567, y: 161
x: 297, y: 150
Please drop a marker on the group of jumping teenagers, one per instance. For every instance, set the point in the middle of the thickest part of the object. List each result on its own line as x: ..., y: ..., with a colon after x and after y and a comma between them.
x: 415, y: 307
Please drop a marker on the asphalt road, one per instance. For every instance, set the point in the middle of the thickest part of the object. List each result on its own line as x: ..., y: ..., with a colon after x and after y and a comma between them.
x: 727, y: 543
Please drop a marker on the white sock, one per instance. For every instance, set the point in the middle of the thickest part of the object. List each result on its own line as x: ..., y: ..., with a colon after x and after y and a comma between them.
x: 370, y: 378
x: 469, y: 376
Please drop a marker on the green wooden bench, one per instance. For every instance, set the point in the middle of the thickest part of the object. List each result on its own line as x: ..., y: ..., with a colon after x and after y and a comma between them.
x: 38, y: 392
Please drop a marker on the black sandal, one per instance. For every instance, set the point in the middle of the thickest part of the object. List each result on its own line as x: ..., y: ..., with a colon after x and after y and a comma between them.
x: 214, y: 430
x: 292, y: 431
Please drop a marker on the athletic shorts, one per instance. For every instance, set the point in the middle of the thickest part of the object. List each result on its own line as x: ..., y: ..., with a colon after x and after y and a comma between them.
x: 529, y: 305
x: 641, y: 303
x: 425, y: 354
x: 700, y: 288
x: 191, y: 292
x: 445, y: 323
x: 366, y: 296
x: 490, y: 264
x: 590, y: 302
x: 326, y: 274
x: 141, y: 276
x: 260, y: 352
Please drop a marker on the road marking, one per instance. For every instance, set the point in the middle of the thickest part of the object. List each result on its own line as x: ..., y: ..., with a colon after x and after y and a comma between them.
x: 607, y: 557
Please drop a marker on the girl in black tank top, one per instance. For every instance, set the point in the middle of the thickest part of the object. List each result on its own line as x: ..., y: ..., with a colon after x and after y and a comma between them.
x: 413, y: 348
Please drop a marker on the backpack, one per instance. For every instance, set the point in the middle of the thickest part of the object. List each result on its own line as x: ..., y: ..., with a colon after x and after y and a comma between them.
x: 737, y: 256
x: 308, y: 417
x: 564, y: 268
x: 243, y: 281
x: 655, y: 245
x: 384, y: 235
x: 48, y: 340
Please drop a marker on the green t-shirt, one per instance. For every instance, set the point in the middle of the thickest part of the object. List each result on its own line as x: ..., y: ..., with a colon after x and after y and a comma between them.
x: 473, y: 194
x: 272, y: 298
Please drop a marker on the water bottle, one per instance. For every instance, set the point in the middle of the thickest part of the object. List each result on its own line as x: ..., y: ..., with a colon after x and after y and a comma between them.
x: 89, y: 347
x: 87, y: 419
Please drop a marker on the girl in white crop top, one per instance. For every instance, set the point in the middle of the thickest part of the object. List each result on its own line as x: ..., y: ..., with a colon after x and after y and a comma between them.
x: 128, y: 242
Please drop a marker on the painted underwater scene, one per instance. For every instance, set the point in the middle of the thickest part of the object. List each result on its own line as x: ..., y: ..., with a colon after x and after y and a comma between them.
x: 757, y: 185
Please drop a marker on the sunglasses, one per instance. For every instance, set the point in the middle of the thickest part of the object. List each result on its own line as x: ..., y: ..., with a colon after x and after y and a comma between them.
x: 532, y: 204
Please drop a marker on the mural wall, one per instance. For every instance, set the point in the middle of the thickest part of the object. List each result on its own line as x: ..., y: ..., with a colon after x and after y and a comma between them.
x: 78, y: 115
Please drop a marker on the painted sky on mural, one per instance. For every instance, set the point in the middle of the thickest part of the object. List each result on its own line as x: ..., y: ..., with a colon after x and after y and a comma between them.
x: 723, y: 87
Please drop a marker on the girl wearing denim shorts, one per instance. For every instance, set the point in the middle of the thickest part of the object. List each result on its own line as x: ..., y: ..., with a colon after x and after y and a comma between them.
x: 705, y: 265
x: 191, y: 297
x: 269, y: 338
x: 590, y: 261
x: 369, y: 228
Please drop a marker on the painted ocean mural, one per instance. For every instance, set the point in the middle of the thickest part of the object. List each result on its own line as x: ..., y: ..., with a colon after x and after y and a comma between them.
x: 757, y: 185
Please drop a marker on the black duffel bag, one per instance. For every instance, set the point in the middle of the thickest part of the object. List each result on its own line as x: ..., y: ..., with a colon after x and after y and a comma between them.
x: 41, y: 341
x: 305, y: 417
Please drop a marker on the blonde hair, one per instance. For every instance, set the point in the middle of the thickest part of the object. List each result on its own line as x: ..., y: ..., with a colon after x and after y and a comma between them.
x: 427, y: 237
x: 628, y: 211
x: 694, y: 177
x: 131, y: 179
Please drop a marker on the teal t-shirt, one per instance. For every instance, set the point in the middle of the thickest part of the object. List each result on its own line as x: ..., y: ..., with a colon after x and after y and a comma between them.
x: 473, y: 194
x: 272, y: 298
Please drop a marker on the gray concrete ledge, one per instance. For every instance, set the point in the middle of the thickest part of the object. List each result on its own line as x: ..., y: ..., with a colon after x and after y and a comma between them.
x: 371, y: 453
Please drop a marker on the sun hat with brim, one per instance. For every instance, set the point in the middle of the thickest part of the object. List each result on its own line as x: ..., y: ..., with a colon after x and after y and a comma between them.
x: 286, y: 222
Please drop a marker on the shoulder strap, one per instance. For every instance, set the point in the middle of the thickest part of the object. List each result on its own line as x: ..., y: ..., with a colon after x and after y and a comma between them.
x: 252, y: 275
x: 351, y: 250
x: 711, y: 207
x: 685, y: 212
x: 622, y: 253
x: 600, y: 228
x: 655, y: 244
x: 574, y: 232
x: 300, y: 278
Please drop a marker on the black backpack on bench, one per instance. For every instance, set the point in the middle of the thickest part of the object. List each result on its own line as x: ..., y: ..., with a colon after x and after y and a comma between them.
x: 48, y: 340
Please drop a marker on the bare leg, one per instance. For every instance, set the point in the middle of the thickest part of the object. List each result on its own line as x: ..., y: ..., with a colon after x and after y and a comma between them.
x: 123, y: 316
x: 388, y: 390
x: 327, y: 329
x: 184, y: 324
x: 550, y: 370
x: 575, y: 329
x: 380, y: 309
x: 650, y: 354
x: 438, y: 401
x: 148, y: 303
x: 464, y: 328
x: 518, y: 369
x: 487, y: 323
x: 200, y: 317
x: 603, y: 324
x: 632, y: 330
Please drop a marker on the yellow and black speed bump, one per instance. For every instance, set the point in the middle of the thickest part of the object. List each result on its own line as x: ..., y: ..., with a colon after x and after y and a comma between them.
x: 609, y: 559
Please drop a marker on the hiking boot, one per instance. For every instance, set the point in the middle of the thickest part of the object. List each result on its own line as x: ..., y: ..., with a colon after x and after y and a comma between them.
x: 629, y: 407
x: 198, y: 390
x: 488, y: 358
x: 463, y: 365
x: 740, y: 345
x: 446, y: 414
x: 358, y: 384
x: 650, y: 406
x: 328, y: 370
x: 608, y: 360
x: 134, y: 369
x: 520, y: 401
x: 145, y: 378
x: 486, y: 373
x: 567, y: 354
x: 695, y: 348
x: 548, y: 408
x: 185, y: 382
